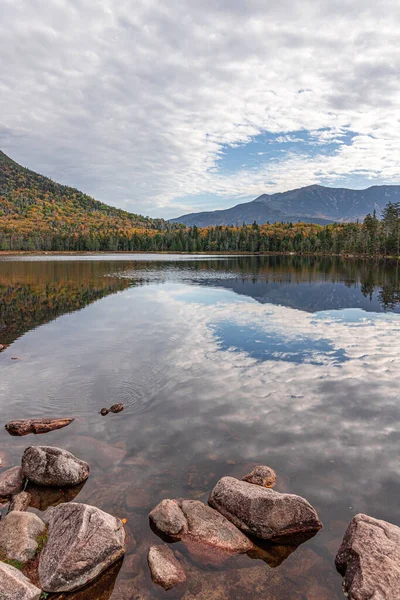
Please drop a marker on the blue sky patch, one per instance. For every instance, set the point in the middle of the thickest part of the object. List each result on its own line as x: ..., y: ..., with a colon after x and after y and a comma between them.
x: 264, y: 346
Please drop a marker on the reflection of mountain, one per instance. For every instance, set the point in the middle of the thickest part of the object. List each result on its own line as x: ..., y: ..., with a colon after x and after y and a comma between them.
x: 33, y: 293
x: 306, y: 283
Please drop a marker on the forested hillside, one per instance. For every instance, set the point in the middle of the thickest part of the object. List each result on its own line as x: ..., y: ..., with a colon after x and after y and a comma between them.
x: 38, y: 214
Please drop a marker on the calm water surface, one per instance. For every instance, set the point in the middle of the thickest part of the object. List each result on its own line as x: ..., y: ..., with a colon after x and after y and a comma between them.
x: 222, y: 363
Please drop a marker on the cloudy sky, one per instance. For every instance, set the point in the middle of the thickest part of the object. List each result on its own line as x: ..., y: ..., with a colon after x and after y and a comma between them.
x: 164, y: 107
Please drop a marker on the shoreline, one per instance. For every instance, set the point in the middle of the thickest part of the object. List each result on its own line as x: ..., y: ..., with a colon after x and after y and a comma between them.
x: 215, y: 253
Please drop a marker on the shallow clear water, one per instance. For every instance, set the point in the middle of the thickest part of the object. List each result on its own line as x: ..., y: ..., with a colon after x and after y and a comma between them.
x: 222, y: 363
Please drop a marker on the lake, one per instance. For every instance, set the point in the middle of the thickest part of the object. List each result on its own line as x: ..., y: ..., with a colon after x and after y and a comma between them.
x: 223, y: 363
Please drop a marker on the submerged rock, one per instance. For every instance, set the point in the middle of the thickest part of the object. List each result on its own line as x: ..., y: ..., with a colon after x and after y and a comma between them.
x: 20, y: 502
x: 11, y: 482
x: 26, y: 426
x: 15, y: 586
x: 262, y: 512
x: 165, y: 569
x: 18, y: 535
x: 95, y: 451
x: 49, y: 466
x: 43, y: 497
x: 369, y: 559
x: 261, y: 475
x: 83, y: 541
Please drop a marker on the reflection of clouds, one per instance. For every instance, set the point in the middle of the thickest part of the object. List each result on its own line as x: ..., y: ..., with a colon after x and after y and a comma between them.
x: 332, y: 432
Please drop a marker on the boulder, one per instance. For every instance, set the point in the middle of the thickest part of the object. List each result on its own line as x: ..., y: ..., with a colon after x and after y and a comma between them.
x: 262, y: 512
x: 20, y: 502
x: 82, y: 542
x: 261, y: 475
x: 369, y: 559
x: 18, y: 535
x: 168, y: 518
x: 11, y: 482
x: 49, y: 466
x: 15, y: 586
x: 26, y: 426
x: 198, y: 525
x: 207, y: 526
x: 165, y: 569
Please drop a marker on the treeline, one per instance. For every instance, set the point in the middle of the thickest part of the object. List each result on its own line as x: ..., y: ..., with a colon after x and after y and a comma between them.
x: 372, y: 237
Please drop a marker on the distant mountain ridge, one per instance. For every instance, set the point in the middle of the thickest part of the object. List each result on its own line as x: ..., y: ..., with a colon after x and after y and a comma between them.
x: 311, y: 204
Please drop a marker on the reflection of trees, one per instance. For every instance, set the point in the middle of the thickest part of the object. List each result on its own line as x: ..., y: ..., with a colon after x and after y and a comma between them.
x: 381, y: 277
x: 34, y: 293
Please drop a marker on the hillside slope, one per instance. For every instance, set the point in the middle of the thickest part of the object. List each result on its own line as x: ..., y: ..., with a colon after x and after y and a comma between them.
x: 32, y: 205
x: 312, y: 204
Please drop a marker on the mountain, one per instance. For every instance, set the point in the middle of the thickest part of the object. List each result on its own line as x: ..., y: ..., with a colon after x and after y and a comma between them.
x: 32, y: 205
x: 312, y: 204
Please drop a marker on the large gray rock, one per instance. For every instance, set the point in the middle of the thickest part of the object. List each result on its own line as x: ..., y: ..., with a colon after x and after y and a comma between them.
x: 18, y: 535
x: 193, y: 522
x: 165, y: 569
x: 49, y: 466
x: 15, y: 586
x: 82, y: 542
x: 11, y: 482
x: 369, y: 560
x: 263, y: 512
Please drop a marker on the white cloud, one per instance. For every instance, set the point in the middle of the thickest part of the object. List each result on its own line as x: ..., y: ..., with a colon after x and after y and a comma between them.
x: 134, y: 101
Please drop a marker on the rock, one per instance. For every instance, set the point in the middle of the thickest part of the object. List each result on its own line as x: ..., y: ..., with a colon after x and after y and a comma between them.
x: 168, y: 518
x: 15, y: 586
x: 82, y: 542
x: 26, y: 426
x: 208, y: 526
x: 49, y: 466
x: 103, y: 588
x: 116, y: 408
x: 20, y: 502
x: 200, y: 528
x: 104, y: 411
x: 165, y: 569
x: 369, y: 559
x: 11, y: 482
x: 261, y: 475
x: 18, y: 535
x: 262, y: 512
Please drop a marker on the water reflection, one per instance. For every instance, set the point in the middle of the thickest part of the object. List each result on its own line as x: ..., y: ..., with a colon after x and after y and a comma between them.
x: 215, y: 382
